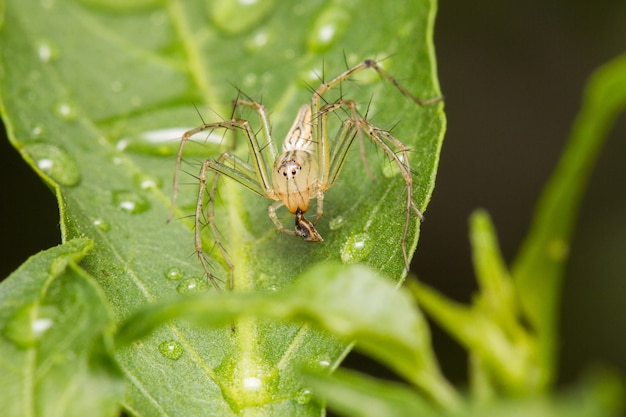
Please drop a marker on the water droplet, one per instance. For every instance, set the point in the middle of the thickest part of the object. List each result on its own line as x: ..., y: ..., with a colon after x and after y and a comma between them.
x: 171, y: 349
x: 252, y: 383
x: 145, y: 182
x: 336, y: 222
x: 304, y: 396
x: 165, y: 142
x: 65, y: 110
x: 356, y: 248
x: 37, y: 131
x: 310, y: 76
x: 174, y: 274
x: 102, y: 225
x: 47, y: 51
x: 130, y: 202
x: 192, y: 286
x: 328, y: 28
x: 237, y: 16
x: 249, y: 80
x: 258, y: 40
x: 29, y: 324
x: 54, y: 162
x: 117, y: 86
x: 324, y: 363
x: 390, y: 169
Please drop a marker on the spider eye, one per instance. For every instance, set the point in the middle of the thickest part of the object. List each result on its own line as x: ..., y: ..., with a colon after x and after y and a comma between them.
x: 289, y: 169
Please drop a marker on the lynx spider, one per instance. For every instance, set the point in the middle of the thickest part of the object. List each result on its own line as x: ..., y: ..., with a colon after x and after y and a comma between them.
x: 308, y: 166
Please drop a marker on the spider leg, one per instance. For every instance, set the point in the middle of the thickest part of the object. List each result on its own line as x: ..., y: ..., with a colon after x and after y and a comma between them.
x: 319, y: 197
x: 252, y: 176
x: 271, y: 212
x: 401, y: 157
x: 395, y: 150
x: 319, y: 129
x: 259, y: 109
x: 202, y: 178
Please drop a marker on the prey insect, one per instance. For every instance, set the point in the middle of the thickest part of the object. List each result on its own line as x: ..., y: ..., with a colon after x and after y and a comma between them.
x: 308, y: 166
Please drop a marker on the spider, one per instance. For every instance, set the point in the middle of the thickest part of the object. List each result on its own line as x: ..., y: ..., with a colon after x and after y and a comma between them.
x: 307, y: 167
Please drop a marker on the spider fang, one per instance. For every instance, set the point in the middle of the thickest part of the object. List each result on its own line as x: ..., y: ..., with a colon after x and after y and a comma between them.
x: 305, y: 229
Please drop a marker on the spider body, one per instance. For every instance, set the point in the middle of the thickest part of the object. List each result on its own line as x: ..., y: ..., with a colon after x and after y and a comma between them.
x: 296, y: 171
x: 307, y: 167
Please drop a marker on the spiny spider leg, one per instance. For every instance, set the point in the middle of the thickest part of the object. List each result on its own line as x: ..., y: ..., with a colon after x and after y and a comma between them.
x: 358, y: 125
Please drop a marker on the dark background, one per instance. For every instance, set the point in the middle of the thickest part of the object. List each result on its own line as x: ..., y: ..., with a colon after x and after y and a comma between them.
x: 512, y: 73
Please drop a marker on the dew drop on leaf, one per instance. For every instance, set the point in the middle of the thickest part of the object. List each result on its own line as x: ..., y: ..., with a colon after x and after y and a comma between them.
x: 324, y: 363
x: 146, y: 182
x: 165, y: 142
x: 304, y: 396
x: 37, y: 131
x: 47, y: 51
x: 102, y: 225
x: 116, y: 86
x: 171, y: 349
x: 29, y: 324
x: 237, y: 16
x: 391, y: 169
x: 55, y: 162
x: 252, y: 383
x: 336, y: 222
x: 65, y: 110
x: 328, y: 28
x: 356, y: 248
x: 130, y: 202
x: 257, y: 41
x: 174, y: 274
x: 192, y: 286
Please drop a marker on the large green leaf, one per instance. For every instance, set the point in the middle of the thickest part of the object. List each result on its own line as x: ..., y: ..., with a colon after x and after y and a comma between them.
x: 95, y: 95
x: 56, y: 328
x: 383, y: 320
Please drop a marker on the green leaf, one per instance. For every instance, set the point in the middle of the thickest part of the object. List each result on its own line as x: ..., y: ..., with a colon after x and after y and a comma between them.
x: 55, y: 357
x: 601, y: 394
x: 511, y: 361
x: 95, y: 95
x: 356, y: 395
x: 497, y: 295
x: 538, y: 268
x: 351, y: 302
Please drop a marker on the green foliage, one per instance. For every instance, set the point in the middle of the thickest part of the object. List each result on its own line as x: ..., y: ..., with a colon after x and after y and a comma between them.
x: 510, y: 330
x: 95, y: 95
x: 98, y: 116
x: 56, y: 346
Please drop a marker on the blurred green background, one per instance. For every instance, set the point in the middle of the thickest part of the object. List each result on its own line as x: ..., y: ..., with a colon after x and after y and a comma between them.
x: 512, y: 74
